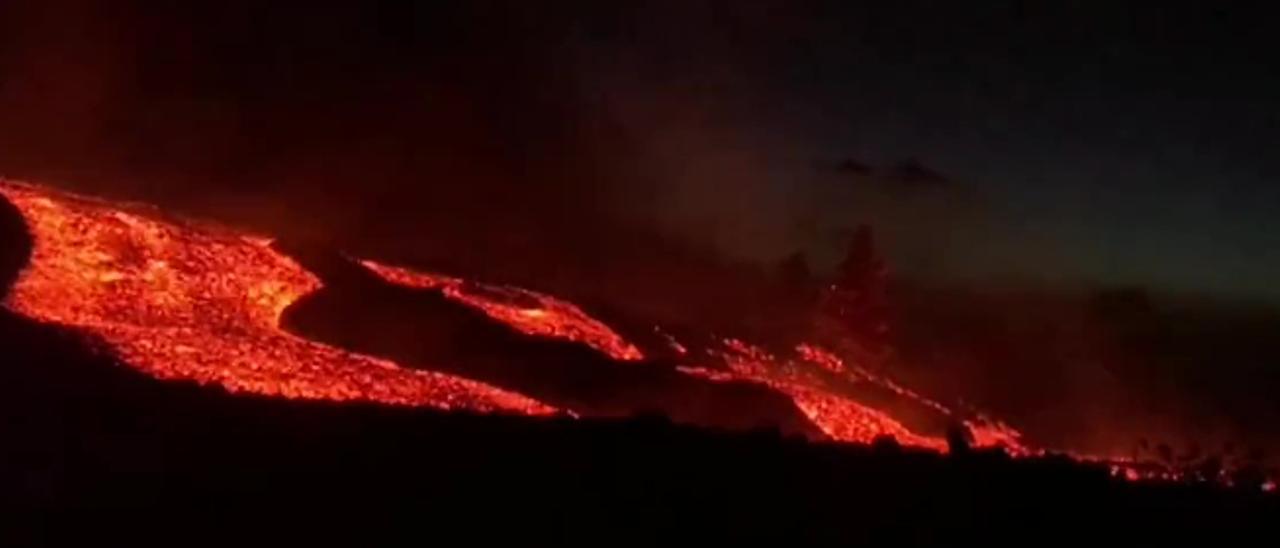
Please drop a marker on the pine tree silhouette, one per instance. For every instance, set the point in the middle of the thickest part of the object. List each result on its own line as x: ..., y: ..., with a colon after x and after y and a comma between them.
x: 858, y: 297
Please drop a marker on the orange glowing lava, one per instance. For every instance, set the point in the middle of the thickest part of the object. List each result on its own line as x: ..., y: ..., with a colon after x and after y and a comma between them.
x: 527, y: 311
x: 985, y: 432
x: 840, y: 418
x: 185, y: 302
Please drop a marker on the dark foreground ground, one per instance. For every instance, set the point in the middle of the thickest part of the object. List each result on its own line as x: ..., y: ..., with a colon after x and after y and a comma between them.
x: 81, y: 432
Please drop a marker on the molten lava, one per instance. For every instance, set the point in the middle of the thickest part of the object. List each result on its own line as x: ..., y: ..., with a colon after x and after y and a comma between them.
x: 985, y: 431
x: 185, y: 302
x: 533, y: 313
x: 840, y: 418
x: 182, y: 302
x: 529, y: 312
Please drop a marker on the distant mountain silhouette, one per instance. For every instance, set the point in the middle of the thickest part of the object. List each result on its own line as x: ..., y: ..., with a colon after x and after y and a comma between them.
x: 912, y: 171
x: 853, y: 167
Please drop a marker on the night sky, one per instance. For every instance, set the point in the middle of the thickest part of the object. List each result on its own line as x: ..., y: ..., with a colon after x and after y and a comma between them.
x: 1132, y: 144
x: 1104, y: 144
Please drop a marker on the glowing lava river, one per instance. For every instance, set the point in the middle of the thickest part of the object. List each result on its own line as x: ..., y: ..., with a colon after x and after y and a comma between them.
x: 180, y: 300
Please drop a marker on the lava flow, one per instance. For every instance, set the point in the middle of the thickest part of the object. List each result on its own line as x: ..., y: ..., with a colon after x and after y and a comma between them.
x: 529, y: 312
x: 184, y: 302
x: 181, y: 301
x: 532, y: 313
x: 842, y: 418
x: 839, y: 418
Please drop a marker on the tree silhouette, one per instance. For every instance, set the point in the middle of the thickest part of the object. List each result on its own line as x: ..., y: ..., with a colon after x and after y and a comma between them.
x: 858, y: 297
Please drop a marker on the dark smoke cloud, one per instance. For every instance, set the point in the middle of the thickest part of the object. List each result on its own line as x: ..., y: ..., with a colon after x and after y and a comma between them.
x: 512, y: 126
x: 499, y: 123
